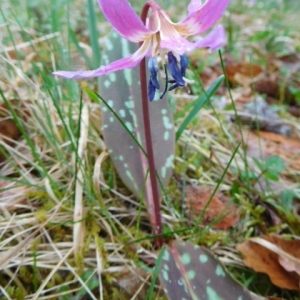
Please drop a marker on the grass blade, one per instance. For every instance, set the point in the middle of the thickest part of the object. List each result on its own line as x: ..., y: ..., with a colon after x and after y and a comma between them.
x: 199, y: 104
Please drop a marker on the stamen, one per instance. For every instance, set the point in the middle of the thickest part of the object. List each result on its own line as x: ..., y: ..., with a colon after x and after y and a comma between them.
x: 151, y: 91
x: 184, y: 62
x: 177, y: 73
x: 153, y: 82
x: 177, y: 70
x: 167, y: 82
x: 175, y: 86
x: 174, y: 69
x: 153, y: 68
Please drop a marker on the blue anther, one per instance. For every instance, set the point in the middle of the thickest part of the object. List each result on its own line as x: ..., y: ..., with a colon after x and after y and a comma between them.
x: 174, y: 69
x: 153, y: 65
x: 153, y: 69
x: 184, y: 62
x: 153, y: 84
x: 176, y: 72
x: 151, y: 91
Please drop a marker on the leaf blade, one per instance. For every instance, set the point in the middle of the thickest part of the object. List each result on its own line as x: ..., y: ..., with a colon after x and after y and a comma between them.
x: 192, y: 272
x: 121, y: 90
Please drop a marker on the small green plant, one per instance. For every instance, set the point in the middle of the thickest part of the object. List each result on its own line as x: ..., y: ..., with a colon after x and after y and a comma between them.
x: 271, y: 168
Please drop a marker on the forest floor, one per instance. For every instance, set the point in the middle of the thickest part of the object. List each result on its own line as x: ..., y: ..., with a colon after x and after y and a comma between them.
x: 69, y: 226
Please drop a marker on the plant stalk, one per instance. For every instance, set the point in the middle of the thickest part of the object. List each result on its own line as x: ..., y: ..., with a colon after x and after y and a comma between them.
x: 155, y: 219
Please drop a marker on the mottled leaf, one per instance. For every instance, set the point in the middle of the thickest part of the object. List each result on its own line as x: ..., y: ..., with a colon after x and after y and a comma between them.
x: 121, y: 91
x: 192, y: 272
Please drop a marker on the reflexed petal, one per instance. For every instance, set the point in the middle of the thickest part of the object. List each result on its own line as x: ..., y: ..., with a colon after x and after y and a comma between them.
x: 124, y: 20
x: 194, y: 5
x: 123, y: 63
x: 202, y: 19
x: 214, y: 40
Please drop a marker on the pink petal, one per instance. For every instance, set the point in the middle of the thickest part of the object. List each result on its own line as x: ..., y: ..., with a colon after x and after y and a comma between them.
x: 123, y: 63
x: 214, y: 40
x: 179, y: 46
x: 171, y: 38
x: 124, y: 20
x: 194, y: 5
x: 202, y: 19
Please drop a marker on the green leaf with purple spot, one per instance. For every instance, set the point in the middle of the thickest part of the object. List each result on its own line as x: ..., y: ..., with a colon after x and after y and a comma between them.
x: 192, y: 272
x: 121, y: 91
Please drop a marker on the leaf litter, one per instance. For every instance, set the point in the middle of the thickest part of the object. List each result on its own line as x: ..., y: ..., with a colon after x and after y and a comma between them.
x: 275, y: 256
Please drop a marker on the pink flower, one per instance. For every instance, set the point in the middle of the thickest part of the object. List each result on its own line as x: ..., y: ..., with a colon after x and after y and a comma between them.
x: 160, y: 36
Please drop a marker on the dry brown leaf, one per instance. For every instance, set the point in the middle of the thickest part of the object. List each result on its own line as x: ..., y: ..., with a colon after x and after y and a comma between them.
x: 289, y: 265
x: 267, y: 86
x: 220, y: 206
x: 276, y: 257
x: 242, y: 73
x: 7, y: 126
x: 288, y: 251
x: 272, y: 88
x: 261, y: 144
x: 131, y: 281
x: 9, y: 131
x: 289, y: 61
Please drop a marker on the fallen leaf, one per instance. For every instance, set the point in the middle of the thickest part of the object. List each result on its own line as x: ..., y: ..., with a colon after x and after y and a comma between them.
x: 278, y: 258
x: 267, y: 86
x: 289, y: 265
x: 272, y: 88
x: 261, y: 145
x: 289, y: 61
x: 288, y: 251
x: 131, y: 281
x: 242, y: 73
x: 9, y: 131
x: 196, y: 199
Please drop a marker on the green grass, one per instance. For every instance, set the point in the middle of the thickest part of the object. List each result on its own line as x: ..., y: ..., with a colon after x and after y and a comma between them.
x: 60, y: 164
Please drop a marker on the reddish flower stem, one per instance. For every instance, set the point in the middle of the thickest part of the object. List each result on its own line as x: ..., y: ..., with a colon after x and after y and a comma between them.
x: 155, y: 220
